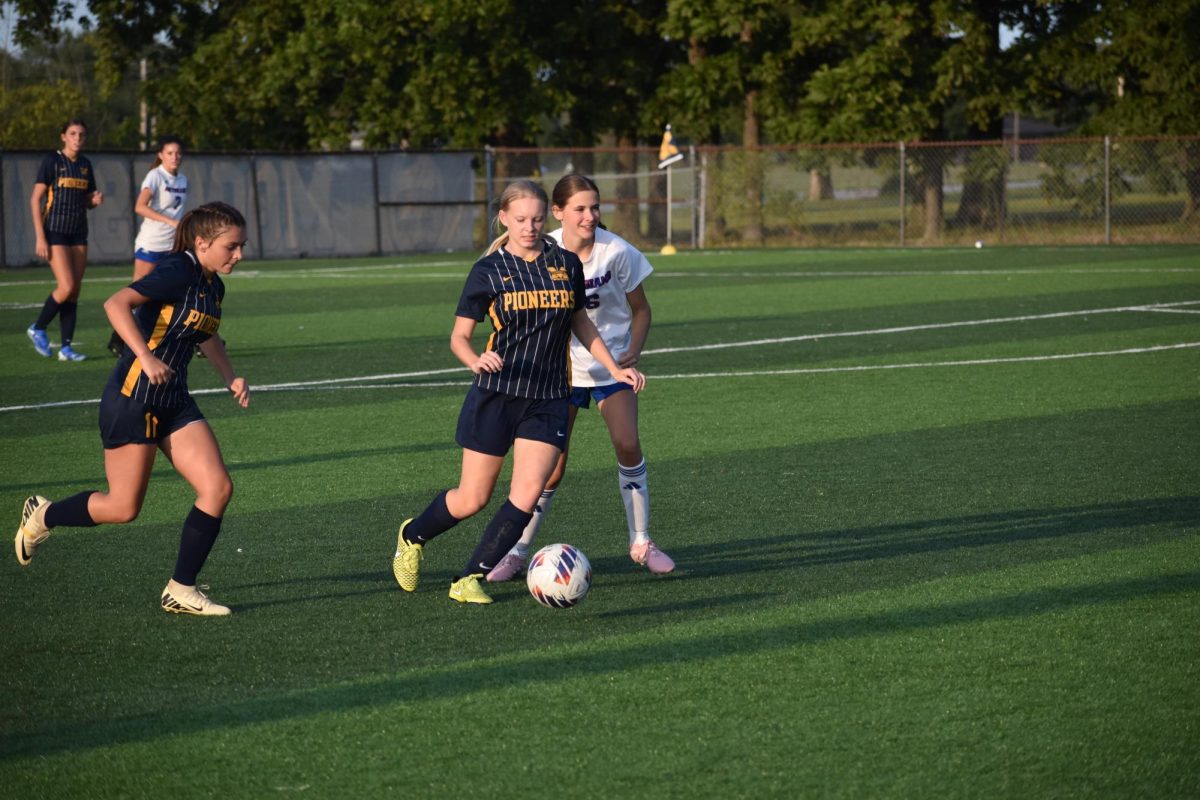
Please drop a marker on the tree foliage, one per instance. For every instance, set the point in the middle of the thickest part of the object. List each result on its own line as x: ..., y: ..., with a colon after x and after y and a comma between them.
x: 282, y: 74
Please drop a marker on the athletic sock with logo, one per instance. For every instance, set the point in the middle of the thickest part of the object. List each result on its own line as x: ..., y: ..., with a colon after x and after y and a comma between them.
x: 195, y: 543
x: 435, y: 520
x: 67, y: 313
x: 635, y: 493
x: 498, y: 538
x: 540, y: 511
x: 71, y: 512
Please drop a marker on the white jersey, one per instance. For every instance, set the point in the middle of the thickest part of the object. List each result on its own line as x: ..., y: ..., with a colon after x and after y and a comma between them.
x: 614, y: 269
x: 168, y: 196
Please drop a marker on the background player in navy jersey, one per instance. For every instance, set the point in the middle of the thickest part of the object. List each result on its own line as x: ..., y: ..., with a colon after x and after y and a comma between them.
x: 532, y: 290
x: 161, y: 204
x: 63, y: 192
x: 146, y: 406
x: 613, y: 272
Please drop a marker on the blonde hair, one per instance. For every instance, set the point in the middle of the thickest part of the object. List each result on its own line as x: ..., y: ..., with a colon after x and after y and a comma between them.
x: 206, y: 222
x: 516, y: 190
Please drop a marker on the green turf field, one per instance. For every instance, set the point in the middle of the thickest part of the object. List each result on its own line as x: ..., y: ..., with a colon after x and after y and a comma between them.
x: 936, y: 515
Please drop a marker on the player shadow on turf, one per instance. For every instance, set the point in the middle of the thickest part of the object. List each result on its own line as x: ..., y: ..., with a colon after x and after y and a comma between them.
x: 1094, y: 527
x: 464, y: 679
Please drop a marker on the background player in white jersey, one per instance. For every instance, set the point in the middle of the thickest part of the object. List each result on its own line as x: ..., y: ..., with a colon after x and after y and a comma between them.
x: 161, y: 203
x: 613, y: 272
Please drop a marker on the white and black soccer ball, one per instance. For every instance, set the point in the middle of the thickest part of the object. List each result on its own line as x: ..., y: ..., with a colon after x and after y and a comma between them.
x: 559, y: 575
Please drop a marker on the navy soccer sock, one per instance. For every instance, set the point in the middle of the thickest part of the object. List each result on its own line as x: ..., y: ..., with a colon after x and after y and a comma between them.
x: 66, y: 321
x: 49, y: 311
x: 498, y: 538
x: 195, y: 543
x: 435, y: 520
x: 71, y: 512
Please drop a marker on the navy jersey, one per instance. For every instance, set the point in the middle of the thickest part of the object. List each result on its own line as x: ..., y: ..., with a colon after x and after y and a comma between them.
x: 184, y: 310
x: 530, y: 304
x: 69, y: 196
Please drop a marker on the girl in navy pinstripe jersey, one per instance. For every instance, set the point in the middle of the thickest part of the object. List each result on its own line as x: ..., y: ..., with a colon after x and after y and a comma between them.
x: 532, y: 292
x: 65, y: 190
x: 146, y: 406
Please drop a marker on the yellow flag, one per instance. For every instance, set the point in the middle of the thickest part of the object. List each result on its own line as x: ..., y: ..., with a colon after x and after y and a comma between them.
x: 668, y: 153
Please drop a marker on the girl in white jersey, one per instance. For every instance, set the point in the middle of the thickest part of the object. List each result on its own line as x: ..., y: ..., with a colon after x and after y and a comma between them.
x: 161, y: 203
x: 613, y: 272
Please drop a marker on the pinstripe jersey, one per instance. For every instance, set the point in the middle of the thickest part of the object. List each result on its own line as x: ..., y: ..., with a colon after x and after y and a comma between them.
x: 184, y: 310
x: 530, y: 304
x: 69, y: 196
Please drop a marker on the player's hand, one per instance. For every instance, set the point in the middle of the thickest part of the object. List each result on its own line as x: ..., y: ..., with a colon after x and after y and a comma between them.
x: 42, y: 250
x: 488, y: 362
x: 97, y: 198
x: 634, y: 378
x: 240, y: 390
x: 156, y: 371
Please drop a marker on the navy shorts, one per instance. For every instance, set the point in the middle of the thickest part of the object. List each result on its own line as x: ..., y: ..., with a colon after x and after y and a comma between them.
x: 124, y: 420
x: 491, y: 421
x: 582, y: 396
x: 66, y: 239
x: 149, y: 257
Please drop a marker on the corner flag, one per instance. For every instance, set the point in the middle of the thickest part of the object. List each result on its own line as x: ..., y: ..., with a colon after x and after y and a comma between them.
x: 668, y: 153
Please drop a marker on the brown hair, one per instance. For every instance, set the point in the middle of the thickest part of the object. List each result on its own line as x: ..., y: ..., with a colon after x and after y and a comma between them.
x: 206, y: 222
x: 162, y: 143
x: 515, y: 191
x: 569, y: 185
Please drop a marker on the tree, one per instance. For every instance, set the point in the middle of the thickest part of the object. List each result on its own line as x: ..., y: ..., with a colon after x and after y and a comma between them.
x: 730, y: 45
x: 1132, y: 67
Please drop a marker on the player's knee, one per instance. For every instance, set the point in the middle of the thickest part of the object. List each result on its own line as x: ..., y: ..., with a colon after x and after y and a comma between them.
x: 470, y: 503
x: 121, y: 513
x: 218, y: 492
x: 629, y: 450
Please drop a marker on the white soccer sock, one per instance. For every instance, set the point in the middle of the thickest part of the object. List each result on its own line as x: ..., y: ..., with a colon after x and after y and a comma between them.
x: 521, y: 548
x: 635, y: 493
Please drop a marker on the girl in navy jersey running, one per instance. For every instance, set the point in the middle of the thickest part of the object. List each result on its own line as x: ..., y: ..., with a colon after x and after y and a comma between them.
x: 64, y: 191
x: 532, y: 290
x: 146, y: 406
x: 613, y: 272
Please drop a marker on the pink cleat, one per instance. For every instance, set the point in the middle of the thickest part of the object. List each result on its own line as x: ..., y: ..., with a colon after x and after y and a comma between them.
x: 655, y: 560
x: 509, y: 567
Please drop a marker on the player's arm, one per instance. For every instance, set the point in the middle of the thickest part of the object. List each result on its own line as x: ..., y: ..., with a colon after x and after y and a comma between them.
x: 143, y: 209
x: 119, y: 309
x: 639, y: 327
x: 214, y: 350
x: 37, y: 198
x: 585, y: 331
x: 95, y: 196
x: 460, y: 345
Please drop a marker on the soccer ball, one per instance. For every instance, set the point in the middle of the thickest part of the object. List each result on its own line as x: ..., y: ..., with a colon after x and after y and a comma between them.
x: 559, y: 575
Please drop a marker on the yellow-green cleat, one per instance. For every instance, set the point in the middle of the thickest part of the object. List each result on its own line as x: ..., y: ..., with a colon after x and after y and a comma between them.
x: 468, y: 590
x: 406, y: 564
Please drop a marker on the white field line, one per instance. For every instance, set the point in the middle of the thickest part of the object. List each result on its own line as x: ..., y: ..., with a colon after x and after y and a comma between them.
x: 371, y: 381
x: 812, y: 337
x: 333, y: 385
x: 367, y: 270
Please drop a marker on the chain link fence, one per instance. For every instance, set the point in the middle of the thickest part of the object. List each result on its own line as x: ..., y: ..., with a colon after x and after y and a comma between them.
x: 1047, y: 191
